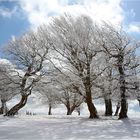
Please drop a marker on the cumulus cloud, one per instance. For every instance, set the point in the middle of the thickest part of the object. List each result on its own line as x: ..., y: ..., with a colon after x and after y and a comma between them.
x: 39, y: 11
x: 107, y: 10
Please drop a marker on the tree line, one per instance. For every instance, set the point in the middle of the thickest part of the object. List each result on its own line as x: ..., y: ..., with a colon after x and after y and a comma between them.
x: 70, y: 61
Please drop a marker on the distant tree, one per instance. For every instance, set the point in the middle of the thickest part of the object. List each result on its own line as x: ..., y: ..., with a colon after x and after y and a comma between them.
x: 105, y: 87
x: 47, y: 93
x: 58, y: 89
x: 68, y: 94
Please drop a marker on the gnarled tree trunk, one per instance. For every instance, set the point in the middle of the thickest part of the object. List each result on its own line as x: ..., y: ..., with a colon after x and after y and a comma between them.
x: 14, y: 110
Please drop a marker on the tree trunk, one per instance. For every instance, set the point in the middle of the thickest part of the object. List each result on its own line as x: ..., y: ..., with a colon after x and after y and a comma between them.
x: 69, y: 112
x: 3, y: 109
x: 117, y: 109
x: 88, y: 85
x: 124, y: 106
x: 14, y: 110
x: 91, y: 107
x: 108, y: 107
x: 50, y: 110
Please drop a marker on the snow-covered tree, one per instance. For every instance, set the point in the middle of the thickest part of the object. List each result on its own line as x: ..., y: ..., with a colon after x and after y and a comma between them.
x: 105, y: 87
x: 28, y: 53
x: 75, y: 39
x: 9, y: 86
x: 68, y: 94
x: 121, y: 49
x: 47, y: 93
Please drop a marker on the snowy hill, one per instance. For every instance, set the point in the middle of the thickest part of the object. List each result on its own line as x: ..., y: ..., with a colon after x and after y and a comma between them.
x: 62, y: 127
x: 68, y: 128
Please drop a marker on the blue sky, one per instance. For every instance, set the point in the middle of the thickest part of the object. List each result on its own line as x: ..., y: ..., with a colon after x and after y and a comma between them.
x: 18, y: 16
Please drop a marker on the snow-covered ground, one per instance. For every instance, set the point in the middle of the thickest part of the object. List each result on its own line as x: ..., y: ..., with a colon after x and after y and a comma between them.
x: 62, y: 127
x: 68, y: 128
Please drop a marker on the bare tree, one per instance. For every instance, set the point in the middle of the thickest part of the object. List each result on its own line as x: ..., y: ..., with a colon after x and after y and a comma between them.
x: 47, y: 93
x: 105, y: 87
x: 68, y: 94
x: 71, y: 100
x: 28, y: 53
x: 76, y: 42
x: 8, y: 83
x: 121, y: 49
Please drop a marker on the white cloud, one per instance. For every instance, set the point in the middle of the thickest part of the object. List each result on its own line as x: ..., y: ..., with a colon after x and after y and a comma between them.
x: 5, y: 12
x: 134, y: 28
x: 38, y: 11
x: 107, y: 10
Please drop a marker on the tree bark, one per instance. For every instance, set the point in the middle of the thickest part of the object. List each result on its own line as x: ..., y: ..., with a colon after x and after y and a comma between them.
x: 91, y: 108
x: 124, y: 106
x: 87, y: 84
x: 117, y: 109
x: 50, y: 110
x: 69, y: 111
x: 14, y: 110
x: 108, y: 107
x: 3, y: 109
